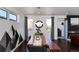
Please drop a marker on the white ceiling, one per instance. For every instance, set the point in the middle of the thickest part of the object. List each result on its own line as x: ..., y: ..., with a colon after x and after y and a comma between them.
x: 49, y: 10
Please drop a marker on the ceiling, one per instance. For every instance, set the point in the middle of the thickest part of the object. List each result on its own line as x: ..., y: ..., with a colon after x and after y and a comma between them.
x: 49, y: 10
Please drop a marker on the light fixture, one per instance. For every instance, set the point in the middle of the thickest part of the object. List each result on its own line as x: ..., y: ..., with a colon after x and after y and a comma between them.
x: 38, y: 7
x: 38, y: 10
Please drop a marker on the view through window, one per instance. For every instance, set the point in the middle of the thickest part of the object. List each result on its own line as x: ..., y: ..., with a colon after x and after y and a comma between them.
x: 48, y: 22
x: 30, y: 24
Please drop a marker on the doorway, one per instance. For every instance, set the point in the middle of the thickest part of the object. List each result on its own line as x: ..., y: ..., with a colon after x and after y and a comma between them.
x: 60, y: 28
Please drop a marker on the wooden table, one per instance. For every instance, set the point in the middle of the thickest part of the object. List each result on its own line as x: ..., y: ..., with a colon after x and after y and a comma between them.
x: 52, y: 46
x: 31, y: 41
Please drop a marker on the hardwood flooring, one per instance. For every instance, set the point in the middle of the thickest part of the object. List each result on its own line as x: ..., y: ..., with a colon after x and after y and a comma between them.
x: 67, y: 46
x: 63, y: 44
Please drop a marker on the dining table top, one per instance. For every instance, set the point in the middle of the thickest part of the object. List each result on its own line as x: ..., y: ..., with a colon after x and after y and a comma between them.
x: 31, y: 41
x: 46, y: 43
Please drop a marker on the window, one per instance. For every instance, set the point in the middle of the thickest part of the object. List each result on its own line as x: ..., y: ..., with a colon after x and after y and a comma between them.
x: 12, y: 17
x: 74, y: 21
x: 48, y: 22
x: 3, y: 14
x: 6, y: 14
x: 30, y: 24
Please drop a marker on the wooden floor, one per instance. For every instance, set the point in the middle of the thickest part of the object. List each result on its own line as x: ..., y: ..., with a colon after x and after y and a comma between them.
x: 66, y: 46
x: 63, y: 44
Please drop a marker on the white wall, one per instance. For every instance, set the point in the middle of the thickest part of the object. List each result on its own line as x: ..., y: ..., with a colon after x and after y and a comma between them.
x: 60, y: 26
x: 5, y: 25
x: 57, y: 19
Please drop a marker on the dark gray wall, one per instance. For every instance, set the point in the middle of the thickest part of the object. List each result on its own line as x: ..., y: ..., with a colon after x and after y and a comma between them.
x: 26, y: 31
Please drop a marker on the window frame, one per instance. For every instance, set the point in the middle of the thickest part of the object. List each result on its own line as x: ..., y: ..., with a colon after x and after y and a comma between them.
x: 74, y: 19
x: 12, y: 14
x: 6, y: 14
